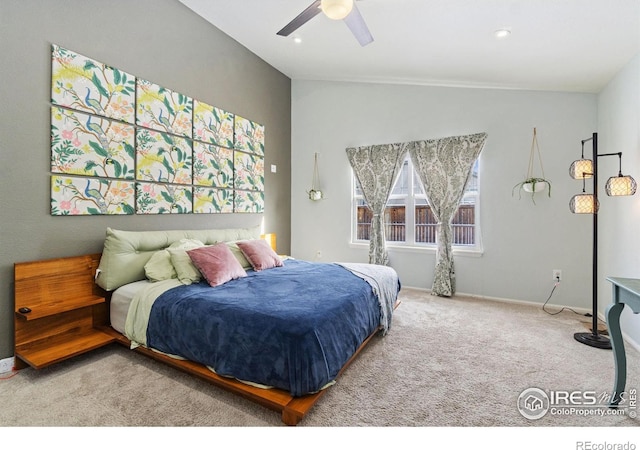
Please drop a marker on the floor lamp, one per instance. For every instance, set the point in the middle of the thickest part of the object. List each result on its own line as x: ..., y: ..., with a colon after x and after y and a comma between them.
x: 588, y: 204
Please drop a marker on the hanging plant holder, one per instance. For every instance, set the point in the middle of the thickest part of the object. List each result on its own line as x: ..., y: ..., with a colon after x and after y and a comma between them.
x: 315, y: 193
x: 533, y: 184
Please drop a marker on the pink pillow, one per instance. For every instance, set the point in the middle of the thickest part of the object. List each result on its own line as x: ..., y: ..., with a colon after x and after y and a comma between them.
x: 260, y: 254
x: 216, y: 263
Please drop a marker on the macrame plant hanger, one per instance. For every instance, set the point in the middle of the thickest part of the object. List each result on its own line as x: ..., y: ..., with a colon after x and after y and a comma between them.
x: 534, y: 148
x: 533, y: 184
x: 315, y: 193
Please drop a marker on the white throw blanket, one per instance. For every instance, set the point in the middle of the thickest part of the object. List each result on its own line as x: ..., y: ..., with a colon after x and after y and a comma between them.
x: 384, y: 282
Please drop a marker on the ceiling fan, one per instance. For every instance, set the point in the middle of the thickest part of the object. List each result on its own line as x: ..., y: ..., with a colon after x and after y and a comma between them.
x: 337, y: 10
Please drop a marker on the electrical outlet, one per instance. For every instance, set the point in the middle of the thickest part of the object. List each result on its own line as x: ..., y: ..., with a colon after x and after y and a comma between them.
x: 6, y: 365
x: 557, y: 274
x: 318, y: 254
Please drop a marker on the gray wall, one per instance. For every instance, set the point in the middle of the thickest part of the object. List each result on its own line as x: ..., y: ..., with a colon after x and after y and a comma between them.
x: 159, y: 40
x: 619, y: 217
x: 522, y: 242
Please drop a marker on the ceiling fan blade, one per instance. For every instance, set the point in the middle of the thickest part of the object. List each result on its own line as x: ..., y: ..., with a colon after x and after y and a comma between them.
x: 356, y: 24
x: 302, y: 18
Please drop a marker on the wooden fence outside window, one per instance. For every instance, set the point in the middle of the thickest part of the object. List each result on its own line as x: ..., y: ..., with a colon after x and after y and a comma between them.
x: 463, y: 224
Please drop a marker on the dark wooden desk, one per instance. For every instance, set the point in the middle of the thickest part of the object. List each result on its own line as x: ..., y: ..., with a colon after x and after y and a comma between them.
x: 626, y: 291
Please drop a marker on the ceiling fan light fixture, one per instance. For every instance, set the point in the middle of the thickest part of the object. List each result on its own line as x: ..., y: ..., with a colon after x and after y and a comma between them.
x: 336, y: 9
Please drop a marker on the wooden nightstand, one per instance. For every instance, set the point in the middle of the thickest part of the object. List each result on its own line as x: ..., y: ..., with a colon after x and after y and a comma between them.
x: 65, y: 307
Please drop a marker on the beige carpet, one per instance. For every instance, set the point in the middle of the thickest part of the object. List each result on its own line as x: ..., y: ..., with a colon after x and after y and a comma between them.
x: 447, y: 362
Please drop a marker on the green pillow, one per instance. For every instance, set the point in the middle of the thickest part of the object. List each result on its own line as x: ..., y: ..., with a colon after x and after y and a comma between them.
x: 159, y: 267
x: 244, y: 262
x: 125, y: 253
x: 187, y: 273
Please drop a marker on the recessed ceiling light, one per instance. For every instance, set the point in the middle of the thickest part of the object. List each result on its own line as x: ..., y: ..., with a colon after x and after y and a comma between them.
x: 502, y: 33
x: 297, y: 39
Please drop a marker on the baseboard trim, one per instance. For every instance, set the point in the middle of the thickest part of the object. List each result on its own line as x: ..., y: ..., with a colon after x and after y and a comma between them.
x: 625, y: 336
x: 6, y: 365
x: 506, y: 300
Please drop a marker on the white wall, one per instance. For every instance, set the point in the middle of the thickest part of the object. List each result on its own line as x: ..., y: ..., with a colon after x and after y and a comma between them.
x: 523, y: 242
x: 619, y: 218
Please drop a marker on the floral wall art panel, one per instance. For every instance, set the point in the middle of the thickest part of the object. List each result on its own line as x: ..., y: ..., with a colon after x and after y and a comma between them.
x: 163, y: 157
x: 248, y: 171
x: 83, y: 144
x: 124, y: 145
x: 248, y: 202
x: 155, y: 198
x: 212, y: 200
x: 212, y: 165
x: 90, y: 196
x: 162, y: 109
x: 84, y: 84
x: 212, y: 125
x: 249, y: 136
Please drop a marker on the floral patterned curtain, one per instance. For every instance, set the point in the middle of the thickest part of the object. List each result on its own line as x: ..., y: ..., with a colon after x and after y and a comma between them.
x: 376, y: 167
x: 444, y: 166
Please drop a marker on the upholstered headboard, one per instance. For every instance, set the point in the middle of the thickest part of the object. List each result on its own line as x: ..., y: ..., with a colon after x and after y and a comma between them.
x: 126, y: 252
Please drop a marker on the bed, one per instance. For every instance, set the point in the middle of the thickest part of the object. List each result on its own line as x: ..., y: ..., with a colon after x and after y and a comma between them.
x: 278, y: 331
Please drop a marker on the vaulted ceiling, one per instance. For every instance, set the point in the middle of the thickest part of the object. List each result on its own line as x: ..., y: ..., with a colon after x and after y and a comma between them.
x: 561, y: 45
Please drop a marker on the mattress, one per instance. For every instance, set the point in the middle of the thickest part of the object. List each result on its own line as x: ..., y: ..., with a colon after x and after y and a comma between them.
x: 120, y: 301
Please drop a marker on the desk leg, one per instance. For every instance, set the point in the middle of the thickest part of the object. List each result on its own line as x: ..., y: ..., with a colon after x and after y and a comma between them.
x: 613, y: 324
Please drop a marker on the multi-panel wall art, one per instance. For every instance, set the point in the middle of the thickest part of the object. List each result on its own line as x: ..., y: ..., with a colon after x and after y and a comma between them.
x: 124, y: 145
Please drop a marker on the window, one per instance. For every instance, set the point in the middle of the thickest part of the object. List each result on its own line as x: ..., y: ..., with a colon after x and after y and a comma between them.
x: 408, y: 216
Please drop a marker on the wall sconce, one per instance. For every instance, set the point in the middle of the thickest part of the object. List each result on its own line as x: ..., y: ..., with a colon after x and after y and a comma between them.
x: 588, y: 204
x: 315, y: 193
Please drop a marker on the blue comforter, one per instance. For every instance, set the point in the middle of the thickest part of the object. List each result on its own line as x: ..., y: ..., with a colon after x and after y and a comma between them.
x: 290, y: 327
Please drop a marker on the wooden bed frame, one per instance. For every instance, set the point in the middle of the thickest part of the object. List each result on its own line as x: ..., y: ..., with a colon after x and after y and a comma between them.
x: 293, y: 409
x: 69, y: 315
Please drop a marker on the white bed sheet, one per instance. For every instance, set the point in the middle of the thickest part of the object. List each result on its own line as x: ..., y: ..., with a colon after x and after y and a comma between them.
x: 120, y: 301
